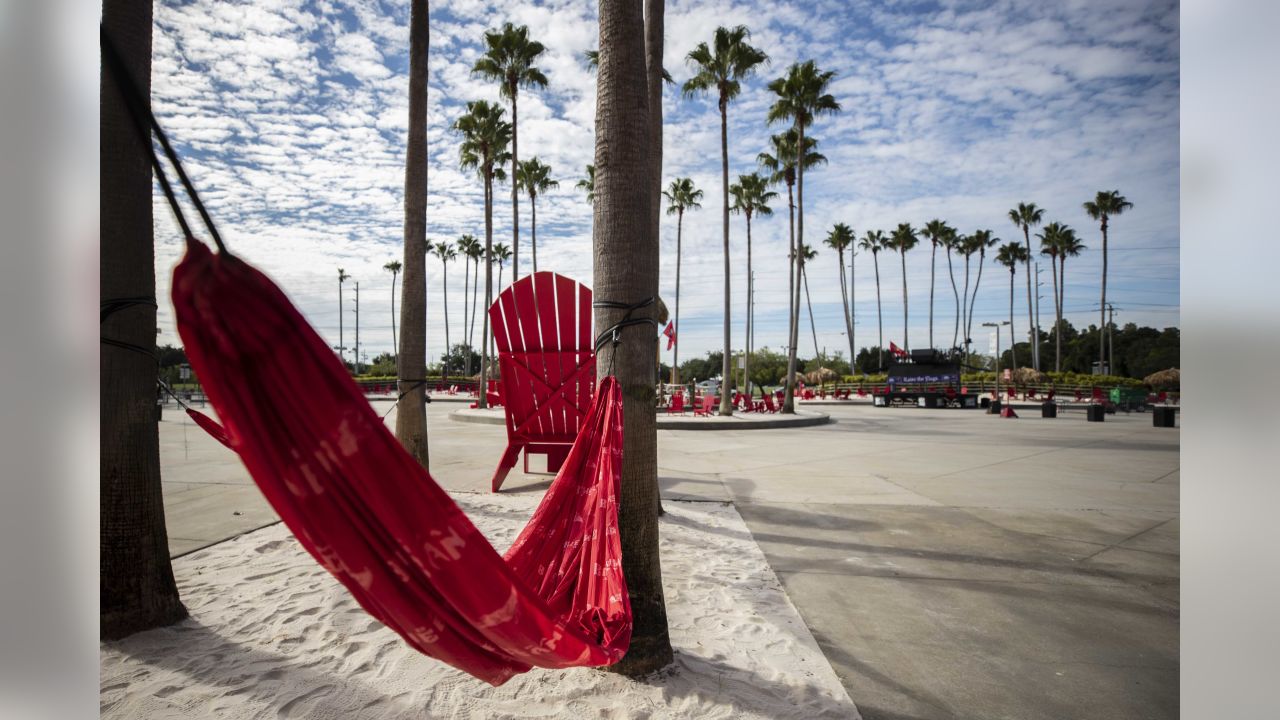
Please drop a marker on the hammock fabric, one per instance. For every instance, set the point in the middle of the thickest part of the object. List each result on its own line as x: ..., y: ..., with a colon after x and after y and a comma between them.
x: 375, y: 519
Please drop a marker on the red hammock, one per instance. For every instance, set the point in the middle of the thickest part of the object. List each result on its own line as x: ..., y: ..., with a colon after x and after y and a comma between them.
x: 372, y: 516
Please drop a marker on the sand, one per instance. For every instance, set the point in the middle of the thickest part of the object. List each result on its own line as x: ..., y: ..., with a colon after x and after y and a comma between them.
x: 271, y: 634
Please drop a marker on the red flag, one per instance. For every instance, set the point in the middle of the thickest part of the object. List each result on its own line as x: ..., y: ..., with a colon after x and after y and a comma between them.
x: 896, y: 350
x: 670, y: 332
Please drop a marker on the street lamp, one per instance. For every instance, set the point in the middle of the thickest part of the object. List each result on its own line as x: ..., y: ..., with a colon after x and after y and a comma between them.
x: 997, y: 325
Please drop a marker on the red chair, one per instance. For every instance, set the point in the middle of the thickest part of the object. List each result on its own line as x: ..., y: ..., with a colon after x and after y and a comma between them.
x: 706, y: 406
x: 677, y: 404
x: 542, y: 328
x: 1010, y: 393
x: 1097, y: 394
x: 769, y: 404
x: 1031, y: 393
x: 1079, y: 396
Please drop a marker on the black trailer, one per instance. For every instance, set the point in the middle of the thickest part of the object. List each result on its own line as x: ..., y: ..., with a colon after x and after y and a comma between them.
x: 926, y: 378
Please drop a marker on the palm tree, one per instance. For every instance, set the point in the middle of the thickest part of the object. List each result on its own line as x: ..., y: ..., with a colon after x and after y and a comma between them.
x: 1010, y: 255
x: 808, y: 253
x: 934, y: 231
x: 394, y: 267
x: 502, y: 254
x: 950, y: 240
x: 981, y: 241
x: 874, y: 241
x: 536, y: 180
x: 626, y: 266
x: 1025, y: 216
x: 446, y: 253
x: 1049, y: 238
x: 136, y: 587
x: 484, y: 149
x: 903, y: 239
x: 588, y: 183
x: 721, y: 68
x: 840, y: 239
x: 782, y: 165
x: 751, y: 196
x: 681, y: 195
x: 964, y: 245
x: 1068, y: 246
x: 509, y: 59
x: 1105, y: 205
x: 411, y: 413
x: 802, y: 97
x: 342, y: 345
x: 470, y: 248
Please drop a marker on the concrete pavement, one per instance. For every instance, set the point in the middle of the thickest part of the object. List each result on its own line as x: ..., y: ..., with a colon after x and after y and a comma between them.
x: 951, y: 564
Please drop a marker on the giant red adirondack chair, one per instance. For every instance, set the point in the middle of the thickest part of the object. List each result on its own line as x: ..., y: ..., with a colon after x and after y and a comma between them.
x: 542, y: 327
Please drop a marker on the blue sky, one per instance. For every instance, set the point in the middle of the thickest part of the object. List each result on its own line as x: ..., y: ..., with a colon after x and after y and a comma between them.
x: 293, y: 117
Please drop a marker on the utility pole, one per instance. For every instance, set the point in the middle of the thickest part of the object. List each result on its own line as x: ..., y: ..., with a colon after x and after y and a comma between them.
x: 342, y: 345
x: 357, y: 327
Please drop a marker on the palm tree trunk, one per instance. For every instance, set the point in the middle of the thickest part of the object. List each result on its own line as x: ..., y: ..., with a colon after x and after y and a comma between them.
x: 982, y: 261
x: 844, y: 297
x: 626, y: 269
x: 789, y: 396
x: 792, y: 315
x: 411, y: 411
x: 726, y: 377
x: 475, y: 289
x: 906, y: 342
x: 482, y: 401
x: 875, y: 258
x: 1031, y: 320
x: 466, y: 300
x: 809, y: 301
x: 955, y: 333
x: 342, y: 344
x: 136, y: 586
x: 1062, y: 298
x: 746, y: 360
x: 533, y: 231
x: 933, y: 262
x: 1057, y: 313
x: 964, y: 309
x: 515, y: 197
x: 1012, y: 354
x: 1102, y: 309
x: 853, y: 309
x: 675, y: 354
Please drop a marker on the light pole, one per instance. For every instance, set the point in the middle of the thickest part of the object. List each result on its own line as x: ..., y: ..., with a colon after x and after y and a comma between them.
x: 997, y: 325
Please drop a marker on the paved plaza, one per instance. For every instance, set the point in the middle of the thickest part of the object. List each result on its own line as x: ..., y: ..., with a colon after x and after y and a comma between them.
x: 950, y: 564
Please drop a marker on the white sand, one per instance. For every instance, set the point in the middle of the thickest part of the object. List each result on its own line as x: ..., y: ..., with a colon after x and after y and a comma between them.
x: 271, y: 634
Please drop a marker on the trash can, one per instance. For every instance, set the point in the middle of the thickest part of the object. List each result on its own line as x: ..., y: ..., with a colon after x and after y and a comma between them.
x: 1049, y: 410
x: 927, y: 401
x: 993, y: 408
x: 1096, y: 413
x: 984, y: 402
x: 1164, y: 417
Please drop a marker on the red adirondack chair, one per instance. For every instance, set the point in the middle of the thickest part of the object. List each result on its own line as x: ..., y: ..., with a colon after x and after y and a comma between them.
x: 542, y: 328
x: 677, y: 404
x: 769, y: 405
x: 707, y: 405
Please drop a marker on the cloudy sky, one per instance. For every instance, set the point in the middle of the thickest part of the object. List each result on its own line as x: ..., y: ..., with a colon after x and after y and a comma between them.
x: 292, y: 117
